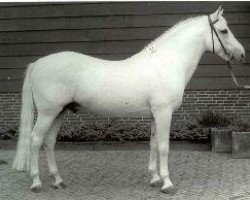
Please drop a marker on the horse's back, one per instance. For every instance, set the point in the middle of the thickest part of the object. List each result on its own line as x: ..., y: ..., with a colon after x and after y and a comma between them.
x: 65, y: 59
x: 98, y: 84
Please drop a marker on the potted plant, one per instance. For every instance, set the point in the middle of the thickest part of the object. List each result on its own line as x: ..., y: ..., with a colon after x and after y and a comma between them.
x: 241, y: 140
x: 221, y: 140
x: 228, y: 135
x: 221, y: 135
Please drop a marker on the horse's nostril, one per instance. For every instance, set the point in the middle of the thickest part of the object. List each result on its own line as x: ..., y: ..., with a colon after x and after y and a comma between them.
x: 243, y: 56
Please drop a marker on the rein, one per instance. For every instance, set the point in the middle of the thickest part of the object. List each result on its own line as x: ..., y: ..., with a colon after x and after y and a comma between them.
x: 213, y: 30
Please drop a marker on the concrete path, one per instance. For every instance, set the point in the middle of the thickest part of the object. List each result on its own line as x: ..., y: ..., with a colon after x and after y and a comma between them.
x: 120, y: 172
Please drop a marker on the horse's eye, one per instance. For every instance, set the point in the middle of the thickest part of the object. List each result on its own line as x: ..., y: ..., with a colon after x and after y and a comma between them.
x: 224, y: 31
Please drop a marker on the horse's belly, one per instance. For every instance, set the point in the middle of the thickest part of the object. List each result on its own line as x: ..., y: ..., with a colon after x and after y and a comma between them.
x: 119, y: 112
x: 116, y: 107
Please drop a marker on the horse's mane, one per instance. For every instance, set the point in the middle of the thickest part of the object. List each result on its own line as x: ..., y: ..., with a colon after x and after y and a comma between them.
x: 167, y: 34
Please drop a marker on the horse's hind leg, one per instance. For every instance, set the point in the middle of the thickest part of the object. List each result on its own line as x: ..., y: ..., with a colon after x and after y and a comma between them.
x: 152, y: 167
x: 49, y: 144
x: 43, y: 123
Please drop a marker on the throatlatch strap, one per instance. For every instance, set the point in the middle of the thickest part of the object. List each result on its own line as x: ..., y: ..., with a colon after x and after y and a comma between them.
x: 212, y: 30
x: 212, y: 33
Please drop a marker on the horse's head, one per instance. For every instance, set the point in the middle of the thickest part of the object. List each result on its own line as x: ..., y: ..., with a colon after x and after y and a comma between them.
x: 223, y: 41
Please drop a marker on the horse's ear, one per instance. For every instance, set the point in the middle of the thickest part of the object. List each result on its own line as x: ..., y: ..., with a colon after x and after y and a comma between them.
x: 221, y: 12
x: 215, y: 16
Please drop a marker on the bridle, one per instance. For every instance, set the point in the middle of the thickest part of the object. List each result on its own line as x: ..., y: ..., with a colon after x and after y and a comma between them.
x: 213, y: 30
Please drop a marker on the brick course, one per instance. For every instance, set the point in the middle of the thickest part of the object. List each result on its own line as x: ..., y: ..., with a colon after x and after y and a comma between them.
x: 232, y: 103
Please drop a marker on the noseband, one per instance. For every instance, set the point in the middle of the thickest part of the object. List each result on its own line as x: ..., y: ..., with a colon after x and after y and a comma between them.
x: 213, y: 30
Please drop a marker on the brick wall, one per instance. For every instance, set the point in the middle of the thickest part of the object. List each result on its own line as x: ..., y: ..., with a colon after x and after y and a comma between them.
x: 232, y: 103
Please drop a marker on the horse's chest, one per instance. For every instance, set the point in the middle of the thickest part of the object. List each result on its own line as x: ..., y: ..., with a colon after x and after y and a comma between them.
x: 167, y: 98
x: 177, y: 102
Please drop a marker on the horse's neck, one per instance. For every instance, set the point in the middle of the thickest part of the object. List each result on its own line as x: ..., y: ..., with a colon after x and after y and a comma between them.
x: 183, y: 48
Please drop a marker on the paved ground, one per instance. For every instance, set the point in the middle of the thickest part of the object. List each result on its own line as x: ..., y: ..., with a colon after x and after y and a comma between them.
x: 120, y: 172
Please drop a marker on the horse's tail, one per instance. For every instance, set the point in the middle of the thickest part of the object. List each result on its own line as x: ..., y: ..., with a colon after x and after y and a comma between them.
x: 22, y: 158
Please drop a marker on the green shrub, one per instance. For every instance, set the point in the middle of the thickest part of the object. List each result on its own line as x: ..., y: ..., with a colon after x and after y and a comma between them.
x: 104, y: 132
x: 196, y: 130
x: 189, y: 131
x: 239, y: 125
x: 7, y: 133
x: 211, y: 119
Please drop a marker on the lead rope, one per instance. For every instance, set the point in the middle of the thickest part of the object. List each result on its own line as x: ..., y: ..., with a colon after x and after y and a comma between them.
x: 224, y: 49
x: 234, y: 78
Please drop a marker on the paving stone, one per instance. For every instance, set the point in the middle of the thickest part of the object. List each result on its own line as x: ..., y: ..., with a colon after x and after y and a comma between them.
x: 122, y: 174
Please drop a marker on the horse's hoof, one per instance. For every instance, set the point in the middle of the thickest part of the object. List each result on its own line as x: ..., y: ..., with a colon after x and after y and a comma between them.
x: 169, y: 190
x: 61, y: 185
x: 36, y: 189
x: 155, y: 182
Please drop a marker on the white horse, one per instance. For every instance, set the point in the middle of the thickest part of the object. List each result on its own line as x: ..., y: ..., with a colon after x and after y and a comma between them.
x: 152, y: 81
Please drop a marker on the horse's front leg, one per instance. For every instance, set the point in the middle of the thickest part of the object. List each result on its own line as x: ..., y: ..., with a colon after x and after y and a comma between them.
x: 152, y: 167
x: 162, y: 117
